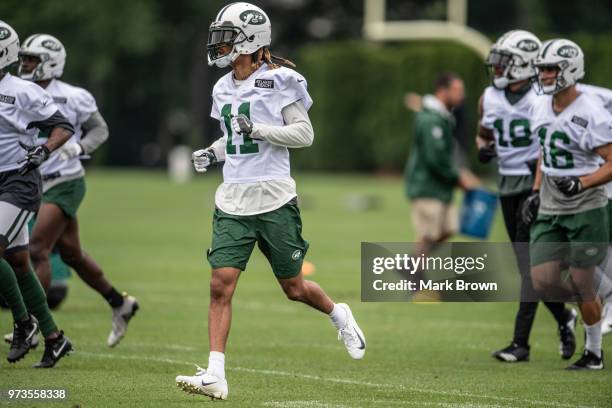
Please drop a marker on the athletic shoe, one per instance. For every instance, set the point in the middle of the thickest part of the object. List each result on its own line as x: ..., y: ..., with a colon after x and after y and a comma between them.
x: 513, y: 353
x: 588, y: 361
x: 21, y: 339
x: 351, y: 335
x: 54, y: 350
x: 204, y: 384
x: 567, y: 345
x: 606, y: 319
x: 121, y: 317
x: 8, y: 338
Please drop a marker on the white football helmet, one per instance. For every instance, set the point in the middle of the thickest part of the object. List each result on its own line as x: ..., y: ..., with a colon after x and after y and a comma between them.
x: 52, y: 56
x: 567, y: 57
x: 242, y: 26
x: 513, y: 53
x: 9, y: 45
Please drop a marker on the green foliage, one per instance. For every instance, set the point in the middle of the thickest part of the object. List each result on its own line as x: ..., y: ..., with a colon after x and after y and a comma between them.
x: 359, y: 116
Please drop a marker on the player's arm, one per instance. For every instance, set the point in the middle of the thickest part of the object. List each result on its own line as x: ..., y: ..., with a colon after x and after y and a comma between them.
x: 95, y: 133
x: 485, y: 139
x: 60, y: 130
x: 297, y: 131
x: 604, y: 174
x: 204, y: 158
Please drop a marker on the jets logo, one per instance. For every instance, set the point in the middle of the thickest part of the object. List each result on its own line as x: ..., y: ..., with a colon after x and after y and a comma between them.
x: 297, y: 254
x: 527, y: 45
x: 4, y: 33
x: 51, y: 45
x: 252, y: 17
x: 568, y: 51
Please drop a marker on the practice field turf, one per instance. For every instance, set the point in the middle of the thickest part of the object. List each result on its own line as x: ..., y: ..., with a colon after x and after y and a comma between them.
x: 150, y: 236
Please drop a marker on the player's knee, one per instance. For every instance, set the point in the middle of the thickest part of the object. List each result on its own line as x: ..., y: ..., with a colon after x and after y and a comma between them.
x: 71, y: 255
x: 39, y: 251
x: 294, y: 292
x: 220, y: 291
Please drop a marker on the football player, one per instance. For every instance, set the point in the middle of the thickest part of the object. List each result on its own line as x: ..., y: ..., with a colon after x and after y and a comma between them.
x: 24, y: 110
x: 262, y: 109
x: 574, y: 132
x: 42, y: 60
x: 504, y: 132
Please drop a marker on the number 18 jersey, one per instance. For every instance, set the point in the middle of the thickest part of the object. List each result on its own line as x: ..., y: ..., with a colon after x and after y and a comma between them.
x: 514, y: 142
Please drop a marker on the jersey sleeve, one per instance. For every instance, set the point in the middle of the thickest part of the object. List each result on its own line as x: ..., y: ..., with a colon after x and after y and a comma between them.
x: 215, y: 113
x: 294, y: 88
x: 85, y: 105
x: 599, y: 132
x: 488, y: 116
x: 36, y: 105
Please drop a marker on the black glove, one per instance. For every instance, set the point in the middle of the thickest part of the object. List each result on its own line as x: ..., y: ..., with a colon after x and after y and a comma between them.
x: 487, y: 153
x: 570, y: 185
x: 34, y: 158
x: 529, y: 210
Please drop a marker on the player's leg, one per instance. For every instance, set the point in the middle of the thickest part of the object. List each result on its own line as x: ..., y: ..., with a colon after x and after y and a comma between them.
x: 25, y: 327
x: 124, y: 307
x: 233, y: 241
x: 56, y: 344
x: 518, y: 350
x: 588, y: 237
x: 280, y: 240
x: 50, y: 224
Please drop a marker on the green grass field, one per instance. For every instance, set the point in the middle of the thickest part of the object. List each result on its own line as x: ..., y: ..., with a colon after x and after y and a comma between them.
x: 150, y: 236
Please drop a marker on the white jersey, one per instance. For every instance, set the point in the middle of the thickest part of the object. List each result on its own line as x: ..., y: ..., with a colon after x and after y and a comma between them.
x: 514, y: 142
x: 77, y: 105
x: 261, y: 97
x: 21, y: 104
x: 569, y: 139
x: 605, y: 97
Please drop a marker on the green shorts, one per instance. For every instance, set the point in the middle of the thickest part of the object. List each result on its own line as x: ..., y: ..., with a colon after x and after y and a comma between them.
x: 278, y: 234
x: 579, y: 239
x: 67, y: 196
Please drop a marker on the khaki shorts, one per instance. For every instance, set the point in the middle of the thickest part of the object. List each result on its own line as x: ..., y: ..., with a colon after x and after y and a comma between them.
x: 433, y: 219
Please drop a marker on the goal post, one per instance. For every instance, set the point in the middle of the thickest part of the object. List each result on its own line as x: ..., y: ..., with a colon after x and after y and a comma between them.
x: 454, y: 28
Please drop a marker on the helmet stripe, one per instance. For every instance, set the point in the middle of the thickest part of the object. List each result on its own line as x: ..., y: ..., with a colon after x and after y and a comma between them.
x: 223, y: 11
x: 545, y: 50
x: 32, y: 38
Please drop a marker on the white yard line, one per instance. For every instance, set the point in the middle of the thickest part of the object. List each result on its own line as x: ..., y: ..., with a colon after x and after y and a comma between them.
x: 401, y: 387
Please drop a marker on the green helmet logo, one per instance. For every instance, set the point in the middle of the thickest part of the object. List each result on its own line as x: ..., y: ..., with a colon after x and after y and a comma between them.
x: 527, y: 45
x: 4, y: 33
x: 568, y: 51
x: 252, y: 17
x: 51, y: 45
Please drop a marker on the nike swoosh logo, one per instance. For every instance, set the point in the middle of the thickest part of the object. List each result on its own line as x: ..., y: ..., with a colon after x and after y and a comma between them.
x: 57, y: 353
x: 205, y: 384
x: 360, y: 340
x: 300, y: 80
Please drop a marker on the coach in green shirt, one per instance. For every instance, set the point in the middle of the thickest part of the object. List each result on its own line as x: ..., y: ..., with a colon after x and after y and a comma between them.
x: 431, y: 174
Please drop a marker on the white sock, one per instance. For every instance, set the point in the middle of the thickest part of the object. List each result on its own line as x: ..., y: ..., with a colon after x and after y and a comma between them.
x: 216, y: 364
x: 338, y: 316
x: 593, y: 338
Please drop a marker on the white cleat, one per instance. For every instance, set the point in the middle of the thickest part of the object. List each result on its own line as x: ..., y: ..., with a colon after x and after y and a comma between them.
x: 606, y: 318
x: 204, y: 384
x: 8, y: 338
x: 121, y: 317
x: 351, y: 335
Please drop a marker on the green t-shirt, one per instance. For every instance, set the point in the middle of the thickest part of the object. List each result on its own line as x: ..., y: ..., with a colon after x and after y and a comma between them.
x: 430, y: 171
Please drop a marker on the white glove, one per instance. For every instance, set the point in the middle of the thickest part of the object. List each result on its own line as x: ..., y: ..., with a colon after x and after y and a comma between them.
x: 70, y: 150
x: 242, y: 124
x: 202, y: 159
